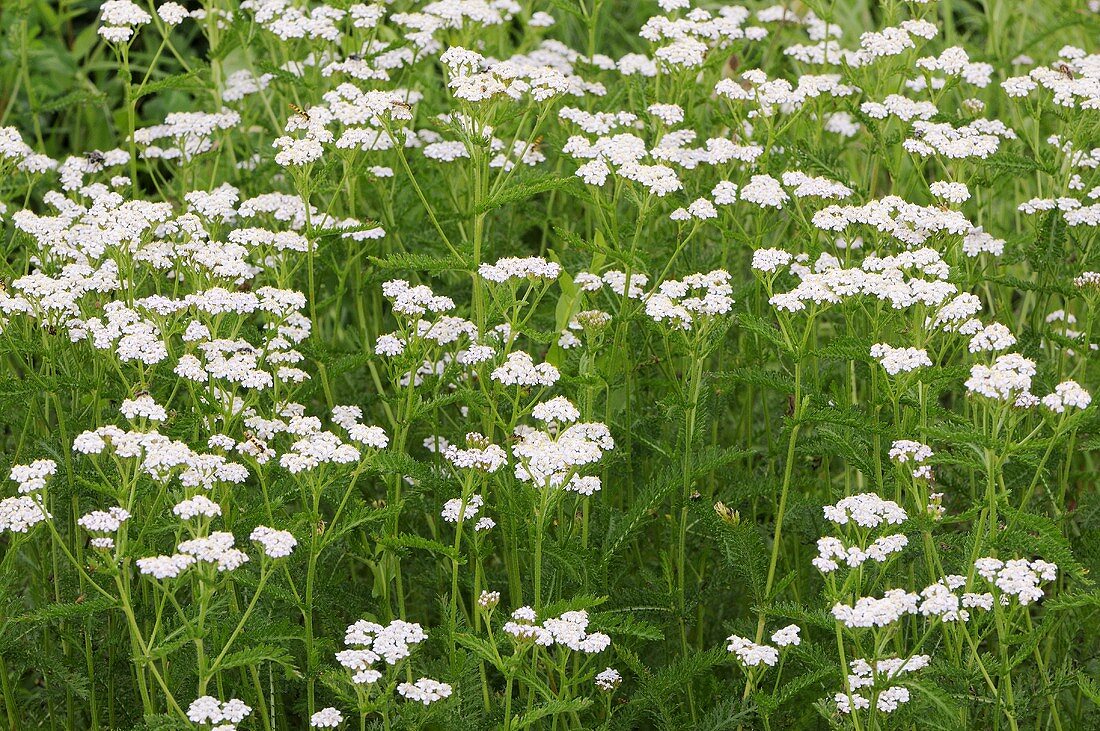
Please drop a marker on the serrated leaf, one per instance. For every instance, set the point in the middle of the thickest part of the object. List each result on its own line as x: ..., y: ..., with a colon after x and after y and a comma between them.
x: 522, y: 191
x: 191, y: 80
x: 409, y: 540
x: 255, y: 655
x: 54, y: 612
x: 551, y: 708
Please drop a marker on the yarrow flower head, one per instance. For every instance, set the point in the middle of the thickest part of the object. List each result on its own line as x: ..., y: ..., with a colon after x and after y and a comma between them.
x: 1019, y: 578
x: 878, y: 676
x: 570, y: 631
x: 326, y: 718
x: 479, y: 454
x: 457, y: 508
x: 866, y: 510
x: 425, y: 690
x: 275, y: 543
x: 900, y: 360
x: 104, y: 521
x: 751, y: 654
x: 209, y: 710
x: 32, y: 477
x: 533, y: 267
x: 905, y: 451
x: 875, y: 612
x: 519, y: 369
x: 21, y: 513
x: 698, y: 296
x: 1008, y: 379
x: 608, y: 680
x: 1067, y: 395
x: 787, y: 636
x: 488, y: 599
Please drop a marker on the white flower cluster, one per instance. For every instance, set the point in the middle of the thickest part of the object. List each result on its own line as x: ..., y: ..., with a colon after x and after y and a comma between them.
x: 866, y: 510
x: 553, y: 457
x: 950, y: 192
x: 877, y: 678
x: 1007, y: 379
x: 21, y: 513
x: 32, y: 477
x: 1067, y: 394
x: 216, y: 548
x: 1071, y: 82
x: 831, y: 552
x: 143, y: 407
x: 806, y: 186
x: 196, y: 506
x: 940, y: 600
x: 479, y: 454
x: 209, y: 710
x: 679, y: 302
x: 104, y: 521
x: 326, y: 718
x: 414, y: 301
x: 317, y: 447
x: 425, y: 690
x: 895, y: 105
x: 160, y: 457
x: 767, y: 96
x: 532, y: 267
x: 488, y: 599
x: 955, y: 61
x: 751, y: 654
x: 906, y: 451
x: 1018, y: 578
x: 875, y: 612
x: 120, y: 17
x: 615, y: 280
x: 608, y: 680
x: 911, y: 224
x: 570, y: 630
x: 980, y: 138
x: 900, y: 360
x: 453, y: 509
x: 770, y: 260
x: 885, y: 279
x: 373, y: 642
x: 188, y: 134
x: 14, y: 151
x: 991, y: 339
x: 275, y: 543
x: 519, y: 369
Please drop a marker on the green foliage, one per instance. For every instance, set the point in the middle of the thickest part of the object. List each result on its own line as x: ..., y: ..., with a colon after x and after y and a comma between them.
x: 357, y: 274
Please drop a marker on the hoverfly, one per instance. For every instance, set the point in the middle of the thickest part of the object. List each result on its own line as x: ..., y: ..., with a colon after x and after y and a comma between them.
x: 94, y: 158
x: 1066, y: 71
x: 300, y: 112
x: 257, y: 445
